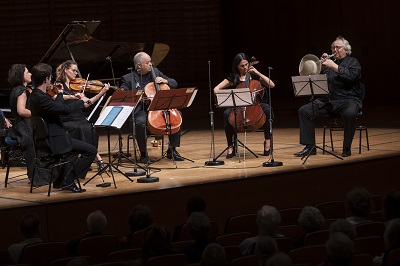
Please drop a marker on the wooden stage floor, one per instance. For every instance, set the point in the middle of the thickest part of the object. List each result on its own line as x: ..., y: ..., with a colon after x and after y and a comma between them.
x: 196, y: 146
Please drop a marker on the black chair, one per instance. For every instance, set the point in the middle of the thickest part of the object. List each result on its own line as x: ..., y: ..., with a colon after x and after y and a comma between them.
x: 47, y: 166
x: 337, y: 126
x: 11, y: 153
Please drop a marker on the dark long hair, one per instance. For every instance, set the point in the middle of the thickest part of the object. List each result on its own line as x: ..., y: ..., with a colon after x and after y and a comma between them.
x: 16, y: 74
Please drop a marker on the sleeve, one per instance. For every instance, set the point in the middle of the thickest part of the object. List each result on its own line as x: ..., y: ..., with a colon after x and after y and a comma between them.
x: 350, y: 71
x: 171, y: 82
x: 126, y: 83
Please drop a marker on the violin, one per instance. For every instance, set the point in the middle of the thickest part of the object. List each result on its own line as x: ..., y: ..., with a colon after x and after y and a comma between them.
x: 53, y: 89
x: 249, y: 118
x: 80, y: 85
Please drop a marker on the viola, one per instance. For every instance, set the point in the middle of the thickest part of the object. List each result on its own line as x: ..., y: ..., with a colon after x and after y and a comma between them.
x: 249, y: 118
x: 53, y: 89
x: 159, y: 122
x: 94, y: 86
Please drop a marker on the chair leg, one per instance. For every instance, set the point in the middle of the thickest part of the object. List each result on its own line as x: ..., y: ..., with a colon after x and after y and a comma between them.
x: 359, y: 142
x: 130, y: 136
x: 323, y: 141
x: 7, y: 173
x: 366, y: 137
x: 330, y: 132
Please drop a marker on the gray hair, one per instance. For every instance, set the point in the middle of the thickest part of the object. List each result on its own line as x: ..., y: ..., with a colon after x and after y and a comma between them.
x: 96, y: 222
x: 268, y: 220
x: 310, y: 219
x: 346, y: 44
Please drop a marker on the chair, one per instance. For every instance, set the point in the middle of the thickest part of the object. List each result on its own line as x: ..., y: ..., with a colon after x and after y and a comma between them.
x: 66, y: 260
x: 393, y: 258
x: 181, y: 244
x: 170, y: 260
x: 242, y: 223
x: 245, y: 261
x: 125, y: 255
x: 232, y: 239
x: 185, y: 234
x: 372, y: 245
x: 98, y: 247
x: 338, y: 127
x: 377, y: 201
x: 332, y: 209
x: 290, y: 216
x: 232, y: 252
x: 46, y: 165
x: 40, y: 254
x: 362, y: 260
x: 116, y: 263
x: 312, y: 255
x: 316, y: 238
x: 292, y: 231
x: 370, y: 229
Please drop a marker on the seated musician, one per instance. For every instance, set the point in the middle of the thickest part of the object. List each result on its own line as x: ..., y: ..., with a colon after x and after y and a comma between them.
x: 141, y: 77
x: 76, y: 123
x: 60, y: 143
x: 240, y: 69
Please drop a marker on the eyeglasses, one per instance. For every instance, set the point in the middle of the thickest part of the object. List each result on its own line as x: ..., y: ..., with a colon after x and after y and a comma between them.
x: 74, y: 70
x: 337, y: 47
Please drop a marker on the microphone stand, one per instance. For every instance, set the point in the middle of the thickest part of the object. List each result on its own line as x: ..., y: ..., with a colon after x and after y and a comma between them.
x: 135, y: 171
x: 214, y: 161
x: 272, y: 162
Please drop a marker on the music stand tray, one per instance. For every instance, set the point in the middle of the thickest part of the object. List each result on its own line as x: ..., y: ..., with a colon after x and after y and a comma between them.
x: 311, y: 85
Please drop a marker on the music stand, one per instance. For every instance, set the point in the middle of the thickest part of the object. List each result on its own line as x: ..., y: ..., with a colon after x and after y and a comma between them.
x: 239, y: 97
x: 115, y: 115
x: 311, y: 85
x: 164, y: 100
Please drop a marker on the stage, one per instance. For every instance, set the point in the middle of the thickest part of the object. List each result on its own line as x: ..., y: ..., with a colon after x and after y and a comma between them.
x: 240, y: 185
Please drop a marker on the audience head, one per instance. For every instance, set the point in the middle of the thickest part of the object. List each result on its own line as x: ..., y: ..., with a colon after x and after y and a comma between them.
x: 310, y: 219
x: 268, y: 220
x: 343, y: 226
x: 199, y: 225
x: 195, y: 204
x: 157, y: 242
x: 265, y: 248
x: 279, y: 259
x: 78, y: 262
x: 339, y: 249
x: 30, y: 225
x: 391, y: 205
x: 392, y: 234
x: 96, y: 222
x: 359, y: 202
x: 213, y: 255
x: 140, y: 218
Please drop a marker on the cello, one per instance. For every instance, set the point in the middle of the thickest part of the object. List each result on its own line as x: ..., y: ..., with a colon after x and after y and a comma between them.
x: 252, y: 117
x: 161, y: 122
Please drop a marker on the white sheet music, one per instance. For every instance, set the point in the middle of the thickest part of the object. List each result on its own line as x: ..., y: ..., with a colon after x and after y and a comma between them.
x: 114, y: 116
x: 193, y: 95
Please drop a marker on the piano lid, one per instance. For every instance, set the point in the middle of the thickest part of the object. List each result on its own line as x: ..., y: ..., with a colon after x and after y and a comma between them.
x: 76, y: 42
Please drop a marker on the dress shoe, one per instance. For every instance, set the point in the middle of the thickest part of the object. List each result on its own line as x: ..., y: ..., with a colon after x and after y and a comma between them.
x: 232, y: 154
x: 73, y: 188
x: 305, y: 151
x: 346, y: 152
x: 174, y: 154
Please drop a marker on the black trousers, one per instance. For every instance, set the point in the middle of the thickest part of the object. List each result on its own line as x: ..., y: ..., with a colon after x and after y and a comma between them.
x: 141, y: 132
x: 230, y: 130
x: 348, y: 111
x: 82, y: 155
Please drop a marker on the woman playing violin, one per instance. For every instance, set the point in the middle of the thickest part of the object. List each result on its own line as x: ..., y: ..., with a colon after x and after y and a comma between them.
x: 241, y: 67
x: 19, y: 77
x: 76, y: 122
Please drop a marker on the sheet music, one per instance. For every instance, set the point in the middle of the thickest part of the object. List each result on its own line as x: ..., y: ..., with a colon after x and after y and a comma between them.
x: 242, y: 97
x: 194, y: 90
x: 114, y: 116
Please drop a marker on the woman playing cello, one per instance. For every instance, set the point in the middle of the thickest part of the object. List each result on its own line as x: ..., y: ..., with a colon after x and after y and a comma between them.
x: 242, y: 68
x: 76, y: 123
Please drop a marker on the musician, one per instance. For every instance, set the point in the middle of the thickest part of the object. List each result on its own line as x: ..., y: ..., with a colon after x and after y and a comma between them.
x: 343, y: 74
x: 240, y: 68
x: 59, y: 141
x: 138, y: 80
x: 19, y: 77
x: 76, y: 123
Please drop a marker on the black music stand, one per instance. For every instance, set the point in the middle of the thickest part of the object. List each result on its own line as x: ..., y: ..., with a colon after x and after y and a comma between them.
x: 235, y: 98
x: 165, y: 100
x: 115, y: 115
x: 311, y: 85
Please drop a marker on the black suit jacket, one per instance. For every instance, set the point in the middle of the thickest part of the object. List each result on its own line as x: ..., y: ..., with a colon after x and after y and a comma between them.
x: 41, y: 104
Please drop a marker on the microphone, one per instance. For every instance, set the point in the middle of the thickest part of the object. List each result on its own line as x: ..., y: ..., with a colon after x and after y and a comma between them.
x: 138, y: 70
x: 130, y: 68
x: 108, y: 58
x: 270, y: 68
